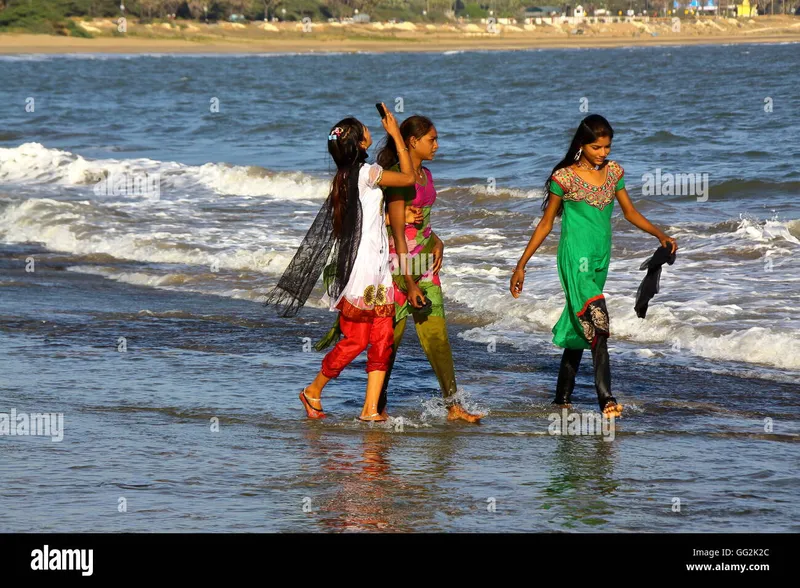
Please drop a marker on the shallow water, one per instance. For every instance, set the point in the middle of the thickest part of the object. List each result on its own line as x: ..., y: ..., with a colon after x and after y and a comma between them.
x: 179, y: 278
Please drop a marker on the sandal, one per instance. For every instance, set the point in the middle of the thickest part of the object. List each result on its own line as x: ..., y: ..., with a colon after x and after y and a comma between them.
x: 612, y: 408
x: 311, y: 411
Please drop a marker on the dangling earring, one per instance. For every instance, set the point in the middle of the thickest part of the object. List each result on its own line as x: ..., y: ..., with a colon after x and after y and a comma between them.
x: 578, y: 154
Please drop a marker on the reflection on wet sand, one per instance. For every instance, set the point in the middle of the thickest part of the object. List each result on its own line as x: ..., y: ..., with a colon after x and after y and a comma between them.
x: 581, y: 474
x: 363, y: 494
x: 360, y: 490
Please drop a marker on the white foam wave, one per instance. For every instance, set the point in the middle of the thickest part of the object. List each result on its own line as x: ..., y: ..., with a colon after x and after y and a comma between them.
x: 135, y: 278
x: 253, y: 181
x: 32, y: 163
x: 750, y: 233
x: 78, y: 227
x: 770, y: 230
x: 175, y: 282
x: 486, y: 191
x: 701, y: 328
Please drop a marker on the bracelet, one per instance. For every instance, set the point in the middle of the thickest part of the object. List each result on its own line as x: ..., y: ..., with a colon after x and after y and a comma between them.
x: 404, y: 149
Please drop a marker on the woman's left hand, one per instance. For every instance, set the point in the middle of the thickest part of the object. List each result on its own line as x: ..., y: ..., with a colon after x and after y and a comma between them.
x: 667, y: 241
x: 438, y: 252
x: 414, y: 215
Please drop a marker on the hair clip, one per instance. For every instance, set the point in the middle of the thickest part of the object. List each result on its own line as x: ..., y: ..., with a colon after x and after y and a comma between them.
x: 336, y: 132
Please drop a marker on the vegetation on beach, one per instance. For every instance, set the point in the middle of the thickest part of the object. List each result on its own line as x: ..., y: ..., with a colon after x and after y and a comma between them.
x: 51, y: 15
x: 60, y: 16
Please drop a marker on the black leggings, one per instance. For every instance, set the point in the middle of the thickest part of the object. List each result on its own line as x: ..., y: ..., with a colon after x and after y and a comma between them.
x: 602, y: 373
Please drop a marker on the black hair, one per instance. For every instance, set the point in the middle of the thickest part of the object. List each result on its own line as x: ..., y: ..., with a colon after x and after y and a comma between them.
x: 591, y: 128
x: 414, y: 126
x: 344, y: 145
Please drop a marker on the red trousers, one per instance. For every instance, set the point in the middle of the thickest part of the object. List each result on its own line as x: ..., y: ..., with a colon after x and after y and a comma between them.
x: 376, y: 332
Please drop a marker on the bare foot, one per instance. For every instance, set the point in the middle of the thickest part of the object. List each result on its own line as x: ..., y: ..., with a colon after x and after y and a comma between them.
x: 372, y: 418
x: 385, y: 414
x: 612, y: 409
x: 313, y: 412
x: 457, y: 412
x: 568, y: 405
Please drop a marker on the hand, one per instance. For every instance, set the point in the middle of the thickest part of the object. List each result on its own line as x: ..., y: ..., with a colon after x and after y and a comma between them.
x: 414, y: 215
x: 438, y: 252
x: 667, y: 241
x: 415, y: 296
x: 389, y: 123
x: 517, y: 280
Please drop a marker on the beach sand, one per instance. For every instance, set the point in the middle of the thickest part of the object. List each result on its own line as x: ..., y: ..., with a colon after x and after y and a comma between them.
x: 188, y: 37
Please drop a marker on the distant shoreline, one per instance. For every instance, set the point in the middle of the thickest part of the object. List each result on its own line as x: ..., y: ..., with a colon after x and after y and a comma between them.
x: 11, y: 44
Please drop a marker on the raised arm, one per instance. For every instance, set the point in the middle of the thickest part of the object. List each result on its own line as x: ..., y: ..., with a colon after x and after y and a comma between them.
x: 405, y: 177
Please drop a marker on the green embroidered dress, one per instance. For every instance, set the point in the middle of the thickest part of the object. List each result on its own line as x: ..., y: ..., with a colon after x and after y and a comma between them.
x: 584, y: 252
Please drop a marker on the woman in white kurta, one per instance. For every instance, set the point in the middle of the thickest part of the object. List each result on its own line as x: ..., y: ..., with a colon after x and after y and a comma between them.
x: 359, y: 278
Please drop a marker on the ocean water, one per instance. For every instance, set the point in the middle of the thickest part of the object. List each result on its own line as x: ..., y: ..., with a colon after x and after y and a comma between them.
x: 136, y: 314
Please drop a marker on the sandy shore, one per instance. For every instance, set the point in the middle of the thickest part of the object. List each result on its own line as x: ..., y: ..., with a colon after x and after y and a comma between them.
x: 289, y: 37
x: 26, y: 44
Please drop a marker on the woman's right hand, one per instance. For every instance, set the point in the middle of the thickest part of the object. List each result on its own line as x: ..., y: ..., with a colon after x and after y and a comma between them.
x: 517, y: 280
x: 389, y: 123
x: 413, y: 293
x: 414, y: 215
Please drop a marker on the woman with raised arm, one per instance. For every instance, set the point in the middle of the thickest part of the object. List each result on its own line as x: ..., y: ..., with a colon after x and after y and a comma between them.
x: 350, y: 229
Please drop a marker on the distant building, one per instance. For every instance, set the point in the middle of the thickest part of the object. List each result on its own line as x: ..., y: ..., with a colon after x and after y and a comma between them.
x: 534, y: 11
x: 361, y: 17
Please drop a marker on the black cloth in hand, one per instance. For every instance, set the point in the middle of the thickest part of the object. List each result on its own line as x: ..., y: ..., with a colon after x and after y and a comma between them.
x: 650, y: 284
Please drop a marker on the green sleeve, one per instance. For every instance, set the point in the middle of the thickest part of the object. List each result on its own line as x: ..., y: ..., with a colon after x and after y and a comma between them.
x: 556, y: 189
x: 620, y: 184
x: 408, y: 193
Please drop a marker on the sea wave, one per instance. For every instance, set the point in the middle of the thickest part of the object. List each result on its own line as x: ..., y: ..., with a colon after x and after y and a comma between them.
x: 35, y: 164
x: 83, y: 229
x: 698, y: 327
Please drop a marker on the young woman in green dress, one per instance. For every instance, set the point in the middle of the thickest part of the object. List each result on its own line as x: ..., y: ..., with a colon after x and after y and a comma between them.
x: 582, y: 187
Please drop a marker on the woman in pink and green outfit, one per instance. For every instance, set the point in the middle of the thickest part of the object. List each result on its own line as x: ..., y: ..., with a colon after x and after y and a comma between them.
x: 417, y: 261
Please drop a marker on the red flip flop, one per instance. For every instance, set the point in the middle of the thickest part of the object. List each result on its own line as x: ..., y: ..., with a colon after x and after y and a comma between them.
x: 313, y: 413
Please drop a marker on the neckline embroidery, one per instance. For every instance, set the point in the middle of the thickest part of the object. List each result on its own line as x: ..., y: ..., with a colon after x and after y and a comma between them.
x: 593, y: 195
x: 608, y: 177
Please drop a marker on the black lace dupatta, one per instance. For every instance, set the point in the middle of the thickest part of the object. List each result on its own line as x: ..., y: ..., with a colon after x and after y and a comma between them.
x: 652, y: 281
x: 311, y: 259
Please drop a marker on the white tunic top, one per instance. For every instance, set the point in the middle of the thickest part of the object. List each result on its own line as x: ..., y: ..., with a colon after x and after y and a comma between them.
x: 370, y: 282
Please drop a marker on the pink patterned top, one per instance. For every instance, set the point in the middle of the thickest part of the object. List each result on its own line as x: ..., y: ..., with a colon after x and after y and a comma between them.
x: 417, y: 236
